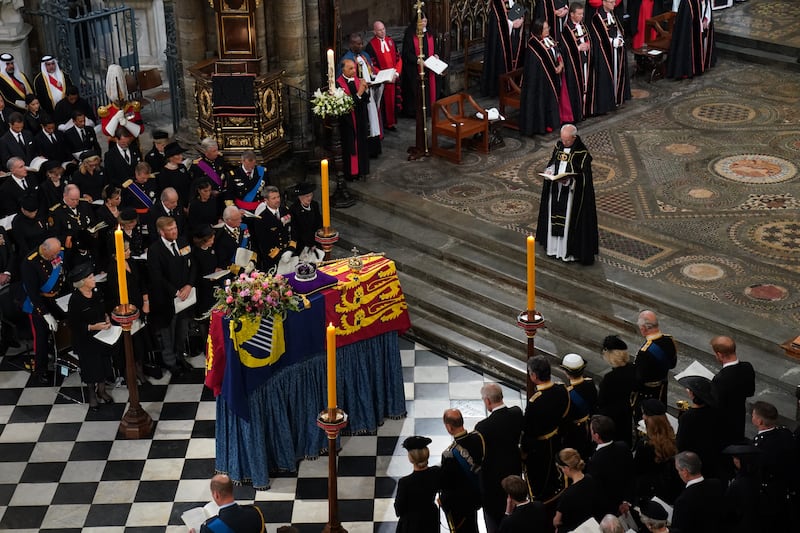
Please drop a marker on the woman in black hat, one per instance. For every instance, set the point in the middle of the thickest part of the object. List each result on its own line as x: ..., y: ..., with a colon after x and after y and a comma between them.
x: 174, y: 174
x: 108, y: 213
x: 51, y: 190
x: 614, y: 392
x: 414, y: 503
x: 698, y: 428
x: 743, y: 496
x: 89, y: 177
x: 654, y: 517
x: 87, y: 316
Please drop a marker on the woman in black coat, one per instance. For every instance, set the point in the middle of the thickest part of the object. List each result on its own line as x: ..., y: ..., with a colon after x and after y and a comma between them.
x: 743, y: 496
x: 414, y: 504
x: 87, y: 316
x: 614, y: 392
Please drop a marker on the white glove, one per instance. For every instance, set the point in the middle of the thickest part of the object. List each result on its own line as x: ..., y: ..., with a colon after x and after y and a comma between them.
x: 286, y: 256
x: 52, y: 323
x: 20, y: 103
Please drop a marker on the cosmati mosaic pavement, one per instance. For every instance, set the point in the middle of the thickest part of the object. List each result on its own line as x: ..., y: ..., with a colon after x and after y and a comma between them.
x: 697, y: 184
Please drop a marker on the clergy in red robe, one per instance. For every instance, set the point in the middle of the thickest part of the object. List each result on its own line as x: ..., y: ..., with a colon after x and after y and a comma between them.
x: 384, y: 53
x: 355, y: 124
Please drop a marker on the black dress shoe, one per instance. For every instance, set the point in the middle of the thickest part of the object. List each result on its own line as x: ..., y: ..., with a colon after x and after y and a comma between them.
x: 44, y: 378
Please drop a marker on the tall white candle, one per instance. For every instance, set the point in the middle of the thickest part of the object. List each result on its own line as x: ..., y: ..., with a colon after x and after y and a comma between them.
x: 331, y: 78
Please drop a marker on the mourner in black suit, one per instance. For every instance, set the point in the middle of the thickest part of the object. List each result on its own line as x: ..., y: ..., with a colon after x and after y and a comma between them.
x: 172, y: 272
x: 121, y: 158
x: 50, y: 144
x: 521, y: 514
x: 611, y: 466
x: 16, y: 142
x: 238, y: 518
x: 79, y: 138
x: 698, y: 508
x: 501, y: 431
x: 166, y: 206
x: 732, y: 385
x: 16, y: 187
x: 233, y: 234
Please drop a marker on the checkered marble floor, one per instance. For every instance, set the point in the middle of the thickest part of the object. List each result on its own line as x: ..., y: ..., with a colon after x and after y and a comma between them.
x: 62, y: 467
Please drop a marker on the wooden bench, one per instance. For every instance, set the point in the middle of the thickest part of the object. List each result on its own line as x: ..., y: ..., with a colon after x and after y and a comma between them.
x: 510, y: 94
x: 452, y: 118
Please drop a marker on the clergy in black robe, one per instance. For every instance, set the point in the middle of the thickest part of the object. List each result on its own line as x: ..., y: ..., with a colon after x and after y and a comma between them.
x: 504, y: 48
x: 576, y: 51
x: 609, y: 77
x: 567, y: 224
x: 541, y: 83
x: 355, y: 124
x: 409, y: 78
x: 554, y: 12
x: 691, y: 51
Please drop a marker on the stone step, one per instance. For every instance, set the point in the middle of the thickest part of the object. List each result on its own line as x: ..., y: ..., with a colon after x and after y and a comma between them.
x: 758, y: 55
x: 443, y: 276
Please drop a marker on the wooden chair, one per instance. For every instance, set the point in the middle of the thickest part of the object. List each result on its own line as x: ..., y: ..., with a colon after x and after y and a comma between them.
x: 451, y: 118
x: 473, y: 68
x: 152, y: 87
x: 510, y: 94
x: 663, y: 25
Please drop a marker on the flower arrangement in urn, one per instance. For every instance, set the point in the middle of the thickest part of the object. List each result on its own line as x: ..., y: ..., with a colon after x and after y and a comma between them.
x: 333, y: 102
x: 257, y: 294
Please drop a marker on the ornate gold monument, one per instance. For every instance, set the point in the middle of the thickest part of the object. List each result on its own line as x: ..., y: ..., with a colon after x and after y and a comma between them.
x: 235, y: 103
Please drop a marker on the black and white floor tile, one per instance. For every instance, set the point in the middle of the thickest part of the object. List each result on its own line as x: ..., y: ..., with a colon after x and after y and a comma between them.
x: 62, y: 467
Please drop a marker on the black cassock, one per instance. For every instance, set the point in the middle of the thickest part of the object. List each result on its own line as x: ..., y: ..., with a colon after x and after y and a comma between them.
x: 409, y: 78
x: 576, y: 67
x: 354, y: 127
x: 609, y: 77
x: 503, y: 52
x: 582, y: 234
x: 540, y: 88
x: 691, y: 51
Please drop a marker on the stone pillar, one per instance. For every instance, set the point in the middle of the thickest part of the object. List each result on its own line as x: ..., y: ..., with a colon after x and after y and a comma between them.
x: 313, y: 46
x: 292, y: 52
x: 192, y: 31
x: 14, y: 36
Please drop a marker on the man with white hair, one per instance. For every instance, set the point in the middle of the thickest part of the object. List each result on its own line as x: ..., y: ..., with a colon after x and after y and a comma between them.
x: 567, y: 224
x: 210, y: 165
x: 50, y: 85
x: 14, y: 84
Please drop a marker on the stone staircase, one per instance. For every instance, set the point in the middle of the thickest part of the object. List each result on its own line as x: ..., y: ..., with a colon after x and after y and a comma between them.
x: 465, y: 284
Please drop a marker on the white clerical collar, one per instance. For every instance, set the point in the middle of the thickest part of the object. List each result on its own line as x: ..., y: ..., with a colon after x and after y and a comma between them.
x: 348, y: 79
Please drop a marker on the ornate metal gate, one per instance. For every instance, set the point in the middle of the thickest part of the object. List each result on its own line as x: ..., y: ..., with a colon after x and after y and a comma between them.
x: 87, y: 41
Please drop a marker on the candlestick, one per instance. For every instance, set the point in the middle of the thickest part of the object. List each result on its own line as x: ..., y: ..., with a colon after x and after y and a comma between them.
x: 331, y: 344
x: 326, y: 199
x: 531, y: 273
x: 122, y: 279
x: 331, y: 76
